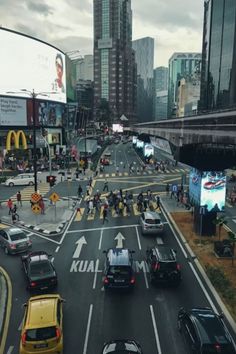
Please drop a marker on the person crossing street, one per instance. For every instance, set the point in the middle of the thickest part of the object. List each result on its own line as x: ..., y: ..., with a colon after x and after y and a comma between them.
x: 105, y: 188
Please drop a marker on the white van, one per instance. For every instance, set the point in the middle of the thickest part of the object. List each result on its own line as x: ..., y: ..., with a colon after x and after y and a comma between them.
x: 24, y: 179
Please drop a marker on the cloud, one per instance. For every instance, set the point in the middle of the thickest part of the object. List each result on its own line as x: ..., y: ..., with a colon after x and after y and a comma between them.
x: 40, y: 8
x: 83, y: 44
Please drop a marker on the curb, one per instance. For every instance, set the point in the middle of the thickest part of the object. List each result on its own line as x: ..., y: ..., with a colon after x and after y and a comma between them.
x: 5, y: 307
x: 45, y: 231
x: 3, y: 300
x: 201, y: 270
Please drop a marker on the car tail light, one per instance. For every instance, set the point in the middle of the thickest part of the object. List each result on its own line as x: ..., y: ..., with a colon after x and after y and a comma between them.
x: 178, y: 266
x: 106, y: 281
x: 58, y: 333
x: 132, y: 280
x: 156, y: 266
x: 13, y: 246
x: 218, y: 348
x: 32, y: 284
x: 23, y: 338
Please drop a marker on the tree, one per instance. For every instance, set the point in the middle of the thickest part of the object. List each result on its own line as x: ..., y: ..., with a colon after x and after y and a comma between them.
x: 220, y: 221
x: 232, y: 238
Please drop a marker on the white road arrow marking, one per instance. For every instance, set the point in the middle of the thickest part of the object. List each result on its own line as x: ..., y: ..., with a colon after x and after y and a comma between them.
x: 119, y: 238
x: 79, y: 243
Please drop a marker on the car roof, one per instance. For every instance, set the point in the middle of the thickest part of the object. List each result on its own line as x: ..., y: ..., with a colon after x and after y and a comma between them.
x: 42, y: 311
x: 210, y: 327
x: 38, y: 256
x: 151, y: 215
x: 165, y: 253
x: 14, y: 230
x: 119, y: 256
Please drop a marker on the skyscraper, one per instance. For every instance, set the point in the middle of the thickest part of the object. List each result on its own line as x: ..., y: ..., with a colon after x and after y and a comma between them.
x: 114, y: 60
x: 218, y: 78
x: 144, y: 56
x: 181, y: 65
x: 160, y: 92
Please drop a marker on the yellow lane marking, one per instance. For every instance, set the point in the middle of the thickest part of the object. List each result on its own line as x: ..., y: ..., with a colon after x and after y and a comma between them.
x: 79, y: 215
x: 91, y: 216
x: 3, y: 226
x: 135, y: 209
x: 8, y: 311
x: 113, y: 175
x: 101, y: 211
x: 126, y: 173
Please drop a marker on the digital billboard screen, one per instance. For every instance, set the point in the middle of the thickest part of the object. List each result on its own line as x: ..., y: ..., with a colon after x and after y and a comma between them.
x: 195, y: 186
x: 26, y: 63
x: 213, y: 190
x: 134, y: 139
x: 117, y: 128
x: 148, y: 150
x: 139, y: 143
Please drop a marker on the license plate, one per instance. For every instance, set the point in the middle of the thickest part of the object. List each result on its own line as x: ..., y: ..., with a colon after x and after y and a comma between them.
x: 161, y: 275
x: 22, y: 245
x: 42, y: 345
x: 119, y: 281
x: 44, y: 287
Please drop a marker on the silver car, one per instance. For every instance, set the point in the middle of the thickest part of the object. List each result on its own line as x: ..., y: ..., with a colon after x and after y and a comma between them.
x: 151, y: 223
x: 14, y: 240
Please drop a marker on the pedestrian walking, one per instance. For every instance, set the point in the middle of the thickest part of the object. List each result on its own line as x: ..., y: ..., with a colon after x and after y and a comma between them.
x: 18, y: 198
x: 104, y: 213
x: 105, y: 188
x: 42, y: 206
x: 90, y: 207
x: 10, y: 206
x: 14, y: 212
x: 167, y: 189
x: 80, y: 190
x: 90, y: 181
x: 87, y: 189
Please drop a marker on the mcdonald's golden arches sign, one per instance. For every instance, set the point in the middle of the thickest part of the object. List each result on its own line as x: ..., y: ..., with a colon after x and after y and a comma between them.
x: 16, y: 137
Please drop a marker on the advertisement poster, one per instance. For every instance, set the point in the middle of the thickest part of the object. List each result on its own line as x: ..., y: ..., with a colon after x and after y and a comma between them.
x: 148, y: 150
x: 195, y: 186
x: 117, y: 128
x: 12, y: 111
x: 139, y: 143
x: 213, y: 190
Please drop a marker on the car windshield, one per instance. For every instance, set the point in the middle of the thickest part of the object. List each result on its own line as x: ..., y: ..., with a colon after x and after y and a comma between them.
x: 18, y: 236
x: 40, y: 268
x: 39, y: 334
x: 153, y: 221
x: 121, y: 270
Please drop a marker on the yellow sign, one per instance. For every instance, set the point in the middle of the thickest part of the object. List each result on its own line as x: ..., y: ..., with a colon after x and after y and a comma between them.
x: 35, y: 197
x: 36, y: 209
x: 16, y: 135
x: 54, y: 197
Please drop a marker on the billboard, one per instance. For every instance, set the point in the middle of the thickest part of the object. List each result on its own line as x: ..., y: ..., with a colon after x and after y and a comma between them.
x: 213, y: 190
x: 148, y: 150
x: 208, y: 189
x: 12, y: 111
x: 134, y: 139
x: 46, y: 113
x: 139, y: 143
x: 117, y: 128
x: 26, y: 63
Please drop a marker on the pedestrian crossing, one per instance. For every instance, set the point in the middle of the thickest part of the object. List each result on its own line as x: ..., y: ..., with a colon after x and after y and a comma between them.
x: 98, y: 214
x: 143, y: 173
x: 43, y: 188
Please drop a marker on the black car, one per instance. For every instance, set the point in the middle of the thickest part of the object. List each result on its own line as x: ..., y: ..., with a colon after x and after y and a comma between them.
x: 118, y: 272
x: 39, y: 271
x: 122, y: 346
x: 163, y: 265
x: 204, y: 332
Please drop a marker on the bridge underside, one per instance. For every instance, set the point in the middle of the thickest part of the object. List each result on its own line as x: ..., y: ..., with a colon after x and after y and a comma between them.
x: 207, y: 157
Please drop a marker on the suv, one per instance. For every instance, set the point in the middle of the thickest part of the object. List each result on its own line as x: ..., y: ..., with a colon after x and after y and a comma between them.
x: 204, y: 331
x: 151, y: 223
x: 118, y: 272
x: 163, y: 266
x: 122, y: 346
x: 42, y: 325
x: 39, y: 270
x: 20, y: 180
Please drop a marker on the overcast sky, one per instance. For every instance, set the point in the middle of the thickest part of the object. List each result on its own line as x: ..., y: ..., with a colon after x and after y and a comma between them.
x: 176, y: 25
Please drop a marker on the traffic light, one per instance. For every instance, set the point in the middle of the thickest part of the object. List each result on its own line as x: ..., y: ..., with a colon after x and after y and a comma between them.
x: 51, y: 180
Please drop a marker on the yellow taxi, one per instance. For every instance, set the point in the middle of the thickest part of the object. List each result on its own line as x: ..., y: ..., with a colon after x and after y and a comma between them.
x: 42, y: 330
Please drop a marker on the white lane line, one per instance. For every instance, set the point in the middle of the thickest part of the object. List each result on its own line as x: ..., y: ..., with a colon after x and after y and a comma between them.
x: 159, y: 241
x: 138, y: 238
x: 10, y: 350
x: 100, y: 228
x: 52, y: 259
x: 155, y: 331
x: 30, y: 234
x: 100, y: 241
x: 57, y: 249
x: 95, y: 274
x: 88, y: 328
x: 68, y: 226
x: 145, y: 278
x: 203, y: 289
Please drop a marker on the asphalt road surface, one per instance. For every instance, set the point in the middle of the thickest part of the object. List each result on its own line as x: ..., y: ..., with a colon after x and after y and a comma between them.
x: 92, y: 315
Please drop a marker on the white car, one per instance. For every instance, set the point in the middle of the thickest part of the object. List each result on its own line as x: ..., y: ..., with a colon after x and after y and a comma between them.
x: 24, y: 179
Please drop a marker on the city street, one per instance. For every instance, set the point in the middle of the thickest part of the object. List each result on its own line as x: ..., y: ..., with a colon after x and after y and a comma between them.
x: 91, y: 314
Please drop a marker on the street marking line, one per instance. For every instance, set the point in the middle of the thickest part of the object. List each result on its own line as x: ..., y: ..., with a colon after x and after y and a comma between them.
x: 113, y: 175
x: 126, y: 174
x: 100, y: 240
x: 155, y: 331
x: 95, y: 273
x: 100, y: 228
x: 100, y: 176
x: 107, y: 175
x: 146, y: 281
x: 79, y: 215
x: 159, y: 241
x: 138, y: 238
x: 3, y: 226
x: 101, y: 212
x: 135, y: 209
x: 120, y: 174
x: 10, y: 350
x: 87, y: 329
x: 91, y: 216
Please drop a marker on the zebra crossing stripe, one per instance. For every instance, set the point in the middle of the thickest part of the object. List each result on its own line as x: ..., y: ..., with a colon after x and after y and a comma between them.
x: 79, y: 215
x: 113, y: 175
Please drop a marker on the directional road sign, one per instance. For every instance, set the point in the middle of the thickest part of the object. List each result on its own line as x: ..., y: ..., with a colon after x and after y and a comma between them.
x: 54, y: 197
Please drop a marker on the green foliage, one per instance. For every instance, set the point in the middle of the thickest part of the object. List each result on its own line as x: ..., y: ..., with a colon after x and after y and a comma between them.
x: 222, y: 284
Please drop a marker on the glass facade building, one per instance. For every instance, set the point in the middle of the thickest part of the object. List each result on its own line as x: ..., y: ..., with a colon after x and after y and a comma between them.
x: 160, y: 92
x: 218, y: 55
x: 144, y: 55
x: 115, y: 75
x: 181, y: 65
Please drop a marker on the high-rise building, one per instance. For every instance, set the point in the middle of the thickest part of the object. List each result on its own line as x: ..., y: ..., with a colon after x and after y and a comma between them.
x: 181, y: 65
x: 84, y: 68
x: 144, y: 56
x: 218, y: 78
x: 114, y: 60
x: 160, y: 92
